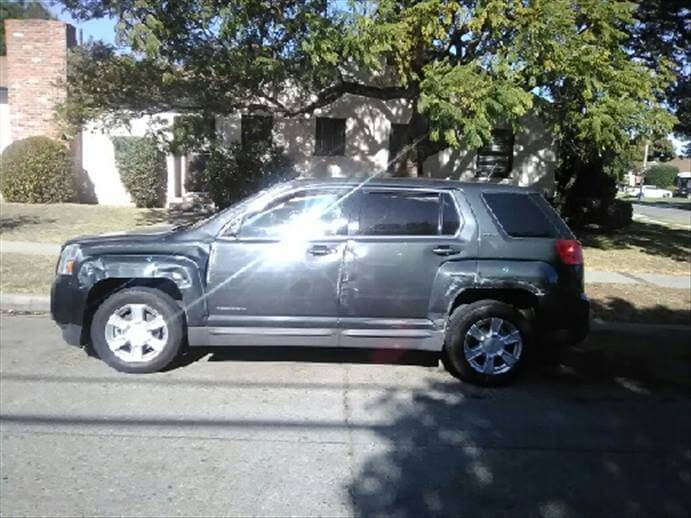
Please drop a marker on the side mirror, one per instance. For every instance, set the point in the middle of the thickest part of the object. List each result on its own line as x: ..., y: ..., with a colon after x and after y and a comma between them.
x: 233, y: 229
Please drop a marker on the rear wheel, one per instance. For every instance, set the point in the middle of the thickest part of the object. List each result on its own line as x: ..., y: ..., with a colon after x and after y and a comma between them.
x: 138, y: 330
x: 486, y: 342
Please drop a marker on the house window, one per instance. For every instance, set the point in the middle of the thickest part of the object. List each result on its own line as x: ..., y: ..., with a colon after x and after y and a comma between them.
x: 330, y: 139
x: 3, y: 95
x: 495, y: 159
x: 256, y: 129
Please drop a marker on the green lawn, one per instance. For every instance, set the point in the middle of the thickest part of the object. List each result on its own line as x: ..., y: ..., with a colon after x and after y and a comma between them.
x: 638, y: 248
x: 59, y: 222
x: 20, y: 273
x: 640, y: 303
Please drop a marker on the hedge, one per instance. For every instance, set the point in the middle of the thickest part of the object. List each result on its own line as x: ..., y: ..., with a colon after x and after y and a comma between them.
x: 662, y: 175
x: 142, y: 167
x: 233, y: 173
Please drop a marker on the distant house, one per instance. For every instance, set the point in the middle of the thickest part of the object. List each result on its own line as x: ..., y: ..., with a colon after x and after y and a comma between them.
x: 359, y: 136
x: 355, y: 136
x: 682, y: 163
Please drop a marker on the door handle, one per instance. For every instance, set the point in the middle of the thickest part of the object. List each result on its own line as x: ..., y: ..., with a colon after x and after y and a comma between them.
x: 445, y: 250
x: 320, y: 250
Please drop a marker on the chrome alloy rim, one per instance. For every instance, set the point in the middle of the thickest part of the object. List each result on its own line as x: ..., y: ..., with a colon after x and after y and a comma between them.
x: 136, y: 333
x: 492, y: 346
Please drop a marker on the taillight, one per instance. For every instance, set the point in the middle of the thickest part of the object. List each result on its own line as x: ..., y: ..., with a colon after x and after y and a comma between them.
x: 570, y: 251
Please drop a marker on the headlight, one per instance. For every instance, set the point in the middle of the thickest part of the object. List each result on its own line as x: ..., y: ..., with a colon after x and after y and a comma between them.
x: 68, y: 258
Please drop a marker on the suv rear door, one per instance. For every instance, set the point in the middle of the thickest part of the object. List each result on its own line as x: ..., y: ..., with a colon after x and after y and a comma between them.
x: 397, y: 240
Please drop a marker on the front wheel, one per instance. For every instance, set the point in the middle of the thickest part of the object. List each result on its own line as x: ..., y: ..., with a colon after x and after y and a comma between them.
x: 486, y: 342
x: 138, y: 330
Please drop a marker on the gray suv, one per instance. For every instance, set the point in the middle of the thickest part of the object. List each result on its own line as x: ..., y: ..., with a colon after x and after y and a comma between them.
x: 480, y: 273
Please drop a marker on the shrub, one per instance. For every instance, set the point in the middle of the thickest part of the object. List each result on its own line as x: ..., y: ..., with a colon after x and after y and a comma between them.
x: 661, y: 175
x: 235, y: 172
x: 36, y: 170
x: 617, y: 214
x: 142, y: 169
x: 591, y: 201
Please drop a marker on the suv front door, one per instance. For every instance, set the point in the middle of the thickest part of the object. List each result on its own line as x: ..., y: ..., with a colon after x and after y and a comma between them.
x: 398, y: 240
x: 276, y: 281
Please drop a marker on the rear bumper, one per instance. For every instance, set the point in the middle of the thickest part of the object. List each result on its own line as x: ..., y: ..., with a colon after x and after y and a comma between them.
x: 564, y: 321
x: 67, y: 304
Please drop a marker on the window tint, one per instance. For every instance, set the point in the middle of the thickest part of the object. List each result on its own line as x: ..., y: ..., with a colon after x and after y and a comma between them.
x: 330, y: 137
x: 519, y: 215
x: 450, y: 218
x: 308, y: 214
x: 495, y: 159
x: 399, y: 214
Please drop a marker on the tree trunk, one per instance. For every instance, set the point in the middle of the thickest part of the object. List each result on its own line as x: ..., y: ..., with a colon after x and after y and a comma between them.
x: 418, y: 147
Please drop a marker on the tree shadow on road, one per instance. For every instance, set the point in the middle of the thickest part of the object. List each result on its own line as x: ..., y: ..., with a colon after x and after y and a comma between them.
x: 601, y: 434
x: 615, y: 308
x: 311, y: 355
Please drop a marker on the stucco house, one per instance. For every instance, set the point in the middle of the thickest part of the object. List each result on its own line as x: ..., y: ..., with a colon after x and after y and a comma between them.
x: 354, y: 136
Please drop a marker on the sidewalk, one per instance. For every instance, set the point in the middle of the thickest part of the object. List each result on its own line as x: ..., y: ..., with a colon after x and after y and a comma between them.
x: 682, y: 282
x: 28, y: 247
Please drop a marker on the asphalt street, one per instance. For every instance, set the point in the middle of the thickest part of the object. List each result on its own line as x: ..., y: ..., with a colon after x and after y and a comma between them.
x: 274, y: 432
x: 663, y: 213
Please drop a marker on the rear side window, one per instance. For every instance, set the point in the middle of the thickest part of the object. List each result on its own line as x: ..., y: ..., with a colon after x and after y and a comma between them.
x: 519, y: 215
x: 401, y: 213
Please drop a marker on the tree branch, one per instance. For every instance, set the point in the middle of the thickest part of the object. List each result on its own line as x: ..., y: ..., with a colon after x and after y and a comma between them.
x: 334, y: 92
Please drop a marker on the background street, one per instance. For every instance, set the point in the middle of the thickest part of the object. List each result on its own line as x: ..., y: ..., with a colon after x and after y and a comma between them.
x: 663, y: 213
x: 276, y: 432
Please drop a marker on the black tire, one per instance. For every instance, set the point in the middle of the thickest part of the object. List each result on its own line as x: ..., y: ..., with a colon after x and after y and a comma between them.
x: 460, y: 322
x: 161, y: 303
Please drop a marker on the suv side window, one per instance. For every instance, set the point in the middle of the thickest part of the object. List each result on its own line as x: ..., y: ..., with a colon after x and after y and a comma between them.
x: 407, y: 213
x: 304, y: 214
x: 519, y: 214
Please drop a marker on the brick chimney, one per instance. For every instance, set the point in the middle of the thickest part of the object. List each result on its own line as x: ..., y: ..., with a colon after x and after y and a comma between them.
x: 36, y: 62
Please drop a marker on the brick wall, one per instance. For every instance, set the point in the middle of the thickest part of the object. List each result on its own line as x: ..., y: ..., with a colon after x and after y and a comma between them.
x: 36, y: 63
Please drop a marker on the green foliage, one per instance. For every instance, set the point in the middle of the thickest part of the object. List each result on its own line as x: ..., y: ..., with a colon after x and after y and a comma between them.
x: 233, y: 173
x: 142, y: 167
x: 36, y: 170
x: 660, y: 150
x: 466, y: 66
x: 661, y: 35
x: 591, y: 201
x: 662, y: 175
x: 19, y: 9
x: 192, y: 132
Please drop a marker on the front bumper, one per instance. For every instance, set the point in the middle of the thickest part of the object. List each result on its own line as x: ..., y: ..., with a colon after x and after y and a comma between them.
x: 67, y: 304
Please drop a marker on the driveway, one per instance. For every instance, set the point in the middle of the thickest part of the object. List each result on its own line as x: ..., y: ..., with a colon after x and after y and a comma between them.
x: 275, y: 432
x: 663, y: 213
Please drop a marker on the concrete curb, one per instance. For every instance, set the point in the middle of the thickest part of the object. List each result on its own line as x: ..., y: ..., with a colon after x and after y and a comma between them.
x: 41, y: 304
x: 27, y: 303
